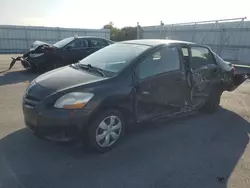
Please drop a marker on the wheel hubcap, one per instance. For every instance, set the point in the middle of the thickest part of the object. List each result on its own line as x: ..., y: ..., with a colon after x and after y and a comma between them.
x: 108, y: 131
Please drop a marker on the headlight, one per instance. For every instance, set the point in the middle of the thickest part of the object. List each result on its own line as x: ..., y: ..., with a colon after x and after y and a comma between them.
x: 73, y: 100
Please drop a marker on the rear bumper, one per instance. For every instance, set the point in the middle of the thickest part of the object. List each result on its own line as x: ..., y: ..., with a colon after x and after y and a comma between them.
x: 236, y: 81
x: 242, y: 69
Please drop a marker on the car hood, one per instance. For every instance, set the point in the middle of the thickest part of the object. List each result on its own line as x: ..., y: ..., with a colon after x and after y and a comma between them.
x: 38, y: 43
x: 66, y: 77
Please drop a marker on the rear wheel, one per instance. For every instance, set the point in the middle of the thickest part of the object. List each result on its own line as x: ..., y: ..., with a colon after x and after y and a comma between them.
x: 213, y: 102
x: 105, y: 131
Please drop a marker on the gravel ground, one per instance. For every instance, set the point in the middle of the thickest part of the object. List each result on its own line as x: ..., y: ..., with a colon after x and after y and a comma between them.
x: 189, y: 152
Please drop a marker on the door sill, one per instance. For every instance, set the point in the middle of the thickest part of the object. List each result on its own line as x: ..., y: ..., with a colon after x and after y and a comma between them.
x: 168, y: 116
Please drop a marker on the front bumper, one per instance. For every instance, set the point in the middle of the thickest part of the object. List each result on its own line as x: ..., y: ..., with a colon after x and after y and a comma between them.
x: 28, y: 63
x: 33, y: 63
x: 55, y: 124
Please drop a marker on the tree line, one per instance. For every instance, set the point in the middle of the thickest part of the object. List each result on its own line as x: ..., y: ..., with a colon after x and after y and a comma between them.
x: 125, y: 33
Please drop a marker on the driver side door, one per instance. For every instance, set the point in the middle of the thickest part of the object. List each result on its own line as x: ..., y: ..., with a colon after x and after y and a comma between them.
x: 96, y: 44
x: 76, y: 50
x: 161, y: 86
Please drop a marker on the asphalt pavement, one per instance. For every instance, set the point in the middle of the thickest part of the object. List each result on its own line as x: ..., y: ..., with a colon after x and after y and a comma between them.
x: 202, y: 151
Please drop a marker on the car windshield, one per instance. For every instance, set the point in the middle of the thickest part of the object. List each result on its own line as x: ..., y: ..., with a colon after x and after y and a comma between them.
x: 115, y: 57
x: 63, y: 42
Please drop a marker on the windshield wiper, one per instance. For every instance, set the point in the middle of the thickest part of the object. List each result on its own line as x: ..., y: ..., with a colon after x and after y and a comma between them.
x: 91, y: 68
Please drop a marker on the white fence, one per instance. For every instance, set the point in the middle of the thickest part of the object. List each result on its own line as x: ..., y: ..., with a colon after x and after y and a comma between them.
x: 18, y: 39
x: 230, y: 38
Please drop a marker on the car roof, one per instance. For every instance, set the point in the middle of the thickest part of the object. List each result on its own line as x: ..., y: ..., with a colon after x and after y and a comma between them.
x: 155, y: 42
x: 82, y: 37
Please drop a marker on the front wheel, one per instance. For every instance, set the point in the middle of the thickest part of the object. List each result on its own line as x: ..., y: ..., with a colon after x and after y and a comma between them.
x: 213, y: 102
x: 105, y: 131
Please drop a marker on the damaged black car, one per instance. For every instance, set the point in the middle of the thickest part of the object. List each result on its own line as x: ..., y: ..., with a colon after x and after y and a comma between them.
x: 43, y: 57
x: 126, y: 83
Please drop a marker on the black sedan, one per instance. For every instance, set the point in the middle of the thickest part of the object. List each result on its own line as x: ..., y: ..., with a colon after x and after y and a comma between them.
x: 126, y: 82
x: 43, y: 56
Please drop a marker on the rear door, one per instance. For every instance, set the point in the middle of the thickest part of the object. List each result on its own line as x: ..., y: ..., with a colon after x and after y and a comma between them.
x: 160, y: 84
x: 206, y: 72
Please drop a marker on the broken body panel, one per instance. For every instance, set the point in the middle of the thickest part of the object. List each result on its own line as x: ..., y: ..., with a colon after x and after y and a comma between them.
x: 43, y: 57
x: 140, y: 80
x: 35, y: 52
x: 186, y: 89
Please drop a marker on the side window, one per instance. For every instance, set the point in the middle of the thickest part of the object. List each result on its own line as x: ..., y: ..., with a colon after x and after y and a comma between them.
x: 97, y: 43
x: 185, y: 55
x: 164, y: 60
x: 79, y: 44
x: 184, y: 52
x: 200, y: 56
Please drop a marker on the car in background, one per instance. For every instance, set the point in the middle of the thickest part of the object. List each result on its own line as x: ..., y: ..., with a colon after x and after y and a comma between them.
x: 125, y: 83
x: 43, y: 56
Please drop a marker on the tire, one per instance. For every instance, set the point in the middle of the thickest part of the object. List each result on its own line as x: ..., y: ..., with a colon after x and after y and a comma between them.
x: 101, y: 127
x: 213, y: 102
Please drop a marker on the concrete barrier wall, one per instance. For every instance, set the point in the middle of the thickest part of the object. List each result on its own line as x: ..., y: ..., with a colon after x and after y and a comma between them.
x: 229, y: 39
x: 18, y: 39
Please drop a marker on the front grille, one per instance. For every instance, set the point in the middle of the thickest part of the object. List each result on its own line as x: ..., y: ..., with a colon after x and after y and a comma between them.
x: 28, y: 97
x: 30, y: 102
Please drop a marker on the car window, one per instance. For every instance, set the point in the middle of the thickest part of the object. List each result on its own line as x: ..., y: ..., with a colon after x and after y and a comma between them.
x: 184, y: 51
x: 79, y: 44
x: 97, y: 43
x: 185, y: 54
x: 115, y: 57
x: 164, y: 60
x: 200, y: 56
x: 63, y: 42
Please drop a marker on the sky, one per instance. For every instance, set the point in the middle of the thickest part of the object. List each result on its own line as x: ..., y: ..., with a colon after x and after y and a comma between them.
x: 96, y: 13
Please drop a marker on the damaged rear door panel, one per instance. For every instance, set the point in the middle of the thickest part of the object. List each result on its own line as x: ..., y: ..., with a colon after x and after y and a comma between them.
x: 210, y: 71
x: 44, y: 50
x: 206, y: 72
x: 232, y: 76
x: 43, y: 57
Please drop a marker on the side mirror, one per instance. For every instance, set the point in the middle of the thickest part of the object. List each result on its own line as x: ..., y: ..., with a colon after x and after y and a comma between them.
x: 68, y: 48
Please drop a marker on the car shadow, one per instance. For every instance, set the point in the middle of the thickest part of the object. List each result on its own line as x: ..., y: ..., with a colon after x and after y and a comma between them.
x: 14, y: 77
x: 201, y: 151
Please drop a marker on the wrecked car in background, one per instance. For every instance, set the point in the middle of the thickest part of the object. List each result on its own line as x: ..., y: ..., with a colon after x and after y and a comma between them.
x: 44, y: 56
x: 126, y: 82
